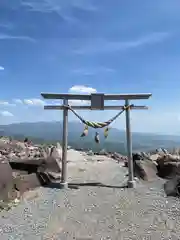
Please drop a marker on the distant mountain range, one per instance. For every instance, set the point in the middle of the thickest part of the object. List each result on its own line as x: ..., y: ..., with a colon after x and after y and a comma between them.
x: 42, y: 132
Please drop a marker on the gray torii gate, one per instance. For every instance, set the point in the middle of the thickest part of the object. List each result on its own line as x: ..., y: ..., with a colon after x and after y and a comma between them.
x: 97, y: 103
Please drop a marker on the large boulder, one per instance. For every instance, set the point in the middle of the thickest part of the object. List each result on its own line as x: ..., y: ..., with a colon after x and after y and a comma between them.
x: 52, y: 159
x: 27, y: 165
x: 175, y: 151
x: 145, y: 169
x: 145, y: 155
x: 172, y: 187
x: 48, y: 166
x: 6, y: 181
x: 168, y: 166
x: 51, y: 165
x: 135, y: 157
x: 118, y: 157
x: 167, y: 158
x: 154, y: 157
x: 168, y: 169
x: 31, y: 181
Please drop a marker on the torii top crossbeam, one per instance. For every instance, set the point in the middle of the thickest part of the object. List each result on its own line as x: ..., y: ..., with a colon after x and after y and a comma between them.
x: 88, y: 96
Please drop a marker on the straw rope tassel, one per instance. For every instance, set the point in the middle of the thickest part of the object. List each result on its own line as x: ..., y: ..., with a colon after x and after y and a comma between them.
x: 106, y: 132
x: 85, y: 132
x: 96, y: 138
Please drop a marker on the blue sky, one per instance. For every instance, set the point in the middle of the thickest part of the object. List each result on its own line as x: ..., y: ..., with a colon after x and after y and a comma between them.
x: 87, y: 46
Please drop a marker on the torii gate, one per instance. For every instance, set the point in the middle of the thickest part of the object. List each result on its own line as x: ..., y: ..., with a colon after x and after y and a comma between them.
x: 97, y: 103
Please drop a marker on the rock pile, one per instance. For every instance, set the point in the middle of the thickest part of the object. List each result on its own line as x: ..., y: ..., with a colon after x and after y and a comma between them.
x: 160, y: 164
x: 24, y: 166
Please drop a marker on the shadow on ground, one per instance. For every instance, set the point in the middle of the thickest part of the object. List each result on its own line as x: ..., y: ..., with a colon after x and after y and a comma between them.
x: 89, y: 184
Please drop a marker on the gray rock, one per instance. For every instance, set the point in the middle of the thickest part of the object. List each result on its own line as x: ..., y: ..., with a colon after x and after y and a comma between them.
x: 103, y: 152
x: 145, y: 155
x: 168, y: 169
x: 6, y: 181
x: 165, y: 151
x: 145, y: 169
x: 27, y: 182
x: 90, y: 153
x: 172, y: 187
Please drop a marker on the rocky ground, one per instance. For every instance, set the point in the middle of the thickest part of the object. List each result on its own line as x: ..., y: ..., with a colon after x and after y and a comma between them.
x: 97, y: 204
x: 24, y: 166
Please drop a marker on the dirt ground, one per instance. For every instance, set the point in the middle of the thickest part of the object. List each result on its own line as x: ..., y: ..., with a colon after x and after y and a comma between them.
x: 96, y: 206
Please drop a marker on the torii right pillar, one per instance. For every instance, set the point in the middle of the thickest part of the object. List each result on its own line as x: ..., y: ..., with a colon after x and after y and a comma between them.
x: 131, y: 182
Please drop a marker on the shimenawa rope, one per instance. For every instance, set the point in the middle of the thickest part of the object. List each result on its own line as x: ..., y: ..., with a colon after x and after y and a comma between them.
x: 97, y: 124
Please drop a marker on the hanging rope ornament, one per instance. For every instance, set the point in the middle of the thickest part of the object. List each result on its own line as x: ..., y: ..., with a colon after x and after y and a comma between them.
x: 85, y: 132
x: 106, y: 132
x: 96, y: 138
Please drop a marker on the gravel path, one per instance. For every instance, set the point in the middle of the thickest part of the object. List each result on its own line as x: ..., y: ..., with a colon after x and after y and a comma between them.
x: 94, y: 212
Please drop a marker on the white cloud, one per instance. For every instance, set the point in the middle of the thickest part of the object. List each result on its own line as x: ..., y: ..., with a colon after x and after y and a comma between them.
x: 93, y: 71
x: 6, y: 114
x: 5, y: 103
x: 51, y: 6
x: 109, y: 70
x: 60, y: 7
x: 78, y: 102
x: 1, y: 68
x: 82, y: 89
x: 84, y: 5
x: 28, y: 102
x: 102, y: 45
x: 34, y: 102
x: 82, y: 71
x: 10, y: 37
x: 18, y: 101
x: 6, y: 25
x: 55, y: 102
